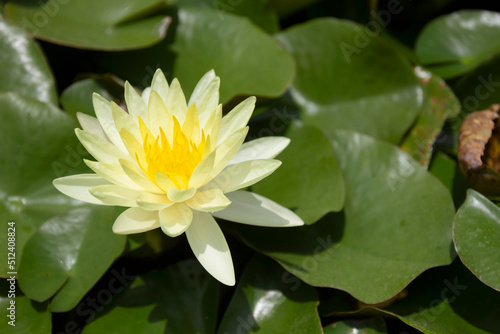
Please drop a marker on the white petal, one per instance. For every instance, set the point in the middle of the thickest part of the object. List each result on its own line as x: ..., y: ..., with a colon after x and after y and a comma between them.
x: 153, y: 202
x: 136, y: 220
x: 91, y: 124
x: 123, y: 119
x: 226, y: 151
x: 159, y: 116
x: 205, y: 80
x: 176, y: 102
x: 206, y: 97
x: 243, y: 174
x: 100, y: 149
x: 210, y: 247
x: 115, y: 195
x: 138, y: 176
x: 164, y: 182
x: 102, y: 108
x: 145, y: 96
x: 253, y: 209
x: 203, y: 172
x: 236, y: 119
x: 262, y: 148
x: 209, y: 201
x: 160, y: 84
x: 180, y: 195
x: 77, y: 186
x: 175, y: 219
x: 136, y: 106
x: 113, y: 173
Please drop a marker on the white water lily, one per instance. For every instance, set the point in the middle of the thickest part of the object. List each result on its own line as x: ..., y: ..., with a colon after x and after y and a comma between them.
x: 176, y: 165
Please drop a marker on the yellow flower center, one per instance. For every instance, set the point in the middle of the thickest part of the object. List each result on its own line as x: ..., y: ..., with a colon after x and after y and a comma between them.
x: 177, y: 160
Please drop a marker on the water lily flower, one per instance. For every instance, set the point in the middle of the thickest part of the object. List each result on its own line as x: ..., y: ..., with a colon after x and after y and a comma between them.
x: 177, y: 165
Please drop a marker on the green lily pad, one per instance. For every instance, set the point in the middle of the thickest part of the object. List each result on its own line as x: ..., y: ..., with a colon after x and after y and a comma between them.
x: 201, y: 45
x: 182, y: 298
x: 68, y: 254
x: 396, y: 223
x: 449, y: 300
x: 309, y: 179
x: 459, y: 42
x: 439, y: 104
x: 477, y: 237
x: 30, y: 316
x: 23, y: 66
x: 92, y: 24
x: 263, y: 303
x: 49, y: 149
x: 343, y: 83
x: 259, y: 12
x: 368, y: 326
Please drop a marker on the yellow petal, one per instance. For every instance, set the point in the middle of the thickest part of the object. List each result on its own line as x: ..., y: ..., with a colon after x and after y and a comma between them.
x: 209, y: 201
x: 160, y: 84
x: 236, y: 119
x: 176, y: 102
x: 136, y: 106
x: 153, y: 202
x: 175, y: 219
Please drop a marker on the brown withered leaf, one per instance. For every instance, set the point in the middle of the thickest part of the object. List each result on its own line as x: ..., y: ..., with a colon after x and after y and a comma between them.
x: 479, y: 150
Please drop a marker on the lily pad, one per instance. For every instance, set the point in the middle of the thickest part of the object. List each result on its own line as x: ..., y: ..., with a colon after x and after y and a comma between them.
x: 477, y: 237
x: 67, y: 255
x: 182, y: 298
x: 310, y: 185
x: 396, y: 223
x: 368, y: 326
x: 263, y: 303
x: 92, y: 24
x: 23, y: 66
x: 457, y: 43
x: 343, y: 83
x: 439, y: 104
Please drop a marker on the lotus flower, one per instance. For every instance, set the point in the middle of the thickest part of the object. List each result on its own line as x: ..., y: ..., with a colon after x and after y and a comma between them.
x: 177, y: 165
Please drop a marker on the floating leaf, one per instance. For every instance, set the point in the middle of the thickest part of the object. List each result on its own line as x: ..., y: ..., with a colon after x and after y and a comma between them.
x: 182, y: 298
x: 396, y: 223
x: 439, y: 104
x: 343, y: 83
x: 92, y: 24
x: 477, y: 238
x: 23, y: 66
x: 459, y: 42
x: 263, y: 303
x: 368, y: 326
x: 311, y: 185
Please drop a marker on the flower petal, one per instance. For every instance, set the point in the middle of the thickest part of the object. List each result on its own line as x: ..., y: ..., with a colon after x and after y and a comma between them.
x: 77, y: 186
x: 191, y: 125
x: 91, y: 124
x: 138, y: 177
x: 113, y: 173
x: 236, y: 119
x: 160, y: 84
x: 124, y: 120
x: 180, y: 195
x: 115, y: 195
x: 206, y: 95
x: 243, y: 174
x: 176, y: 102
x: 209, y: 201
x: 164, y: 182
x: 203, y: 172
x: 159, y: 116
x: 210, y: 247
x: 262, y: 148
x: 136, y: 220
x: 212, y: 126
x: 145, y: 96
x: 205, y: 80
x: 253, y: 209
x: 226, y: 151
x: 136, y: 106
x: 153, y: 202
x: 102, y: 108
x: 100, y: 149
x: 175, y: 219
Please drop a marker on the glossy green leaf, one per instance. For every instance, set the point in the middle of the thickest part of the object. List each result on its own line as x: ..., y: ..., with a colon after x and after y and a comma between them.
x: 368, y: 326
x: 258, y: 11
x: 477, y: 237
x: 92, y: 24
x: 309, y: 179
x: 343, y: 83
x: 30, y: 317
x: 67, y: 255
x: 439, y: 104
x: 396, y: 223
x: 37, y: 144
x: 23, y: 67
x: 263, y: 303
x: 458, y: 42
x: 449, y: 300
x: 182, y: 298
x: 248, y: 61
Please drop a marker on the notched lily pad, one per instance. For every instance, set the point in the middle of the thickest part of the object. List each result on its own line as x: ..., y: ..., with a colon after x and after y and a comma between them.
x: 479, y: 150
